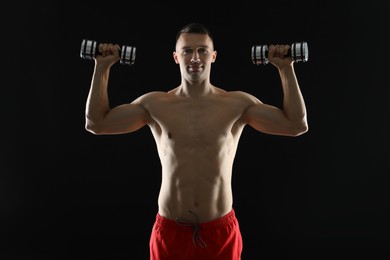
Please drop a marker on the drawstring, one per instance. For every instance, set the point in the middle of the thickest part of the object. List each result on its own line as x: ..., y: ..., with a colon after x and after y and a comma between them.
x: 196, y: 239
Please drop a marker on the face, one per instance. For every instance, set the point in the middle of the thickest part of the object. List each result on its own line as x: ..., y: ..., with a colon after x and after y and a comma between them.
x: 194, y: 53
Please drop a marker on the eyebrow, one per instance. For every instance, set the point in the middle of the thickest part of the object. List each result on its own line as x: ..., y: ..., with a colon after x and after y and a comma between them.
x: 201, y: 46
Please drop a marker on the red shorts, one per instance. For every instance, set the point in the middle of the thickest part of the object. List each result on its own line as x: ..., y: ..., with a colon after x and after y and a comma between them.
x: 219, y: 239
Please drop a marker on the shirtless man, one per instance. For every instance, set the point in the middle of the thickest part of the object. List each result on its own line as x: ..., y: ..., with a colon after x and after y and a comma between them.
x: 197, y: 127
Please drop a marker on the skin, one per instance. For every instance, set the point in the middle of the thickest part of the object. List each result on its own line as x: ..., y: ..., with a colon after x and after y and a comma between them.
x: 196, y: 125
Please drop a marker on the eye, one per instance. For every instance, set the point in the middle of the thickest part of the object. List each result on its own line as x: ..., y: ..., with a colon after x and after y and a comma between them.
x: 187, y: 51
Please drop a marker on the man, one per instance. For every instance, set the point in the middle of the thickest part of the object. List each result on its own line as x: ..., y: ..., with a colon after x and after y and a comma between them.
x: 197, y: 127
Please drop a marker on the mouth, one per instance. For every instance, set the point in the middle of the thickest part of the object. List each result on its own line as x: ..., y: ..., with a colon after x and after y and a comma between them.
x: 195, y: 68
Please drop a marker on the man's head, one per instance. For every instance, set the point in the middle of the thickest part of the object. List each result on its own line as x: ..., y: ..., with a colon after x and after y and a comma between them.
x: 194, y: 51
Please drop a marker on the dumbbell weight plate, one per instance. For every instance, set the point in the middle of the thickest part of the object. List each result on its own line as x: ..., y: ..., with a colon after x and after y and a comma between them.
x: 299, y: 51
x: 88, y: 49
x: 127, y: 55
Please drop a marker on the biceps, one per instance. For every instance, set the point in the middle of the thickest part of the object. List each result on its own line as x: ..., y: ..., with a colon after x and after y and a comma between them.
x: 266, y: 118
x: 126, y: 118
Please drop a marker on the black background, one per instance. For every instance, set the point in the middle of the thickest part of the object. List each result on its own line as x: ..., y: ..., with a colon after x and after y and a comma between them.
x: 67, y: 194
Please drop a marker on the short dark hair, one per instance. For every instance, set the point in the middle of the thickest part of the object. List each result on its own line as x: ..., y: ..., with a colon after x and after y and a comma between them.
x: 194, y: 28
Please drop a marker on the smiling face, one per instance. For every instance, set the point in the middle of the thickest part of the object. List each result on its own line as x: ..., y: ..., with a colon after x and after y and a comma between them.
x: 194, y: 53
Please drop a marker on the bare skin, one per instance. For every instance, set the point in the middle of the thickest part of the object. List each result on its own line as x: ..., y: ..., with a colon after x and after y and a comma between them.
x: 196, y: 126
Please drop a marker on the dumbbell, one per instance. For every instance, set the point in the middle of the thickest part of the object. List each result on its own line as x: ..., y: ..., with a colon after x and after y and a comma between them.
x: 299, y: 52
x: 90, y: 48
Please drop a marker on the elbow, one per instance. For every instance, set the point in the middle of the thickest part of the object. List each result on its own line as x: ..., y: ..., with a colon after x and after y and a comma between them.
x: 92, y: 128
x: 300, y: 129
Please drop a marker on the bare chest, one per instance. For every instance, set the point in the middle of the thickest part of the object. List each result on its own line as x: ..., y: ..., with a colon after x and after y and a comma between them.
x: 197, y: 120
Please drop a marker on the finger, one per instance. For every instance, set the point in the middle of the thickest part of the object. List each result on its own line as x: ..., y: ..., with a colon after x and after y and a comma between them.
x: 103, y: 48
x: 279, y: 50
x: 271, y: 50
x: 286, y: 48
x: 117, y: 48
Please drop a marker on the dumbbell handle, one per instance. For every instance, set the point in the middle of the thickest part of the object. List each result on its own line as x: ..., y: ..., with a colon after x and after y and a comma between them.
x: 299, y: 52
x: 89, y: 49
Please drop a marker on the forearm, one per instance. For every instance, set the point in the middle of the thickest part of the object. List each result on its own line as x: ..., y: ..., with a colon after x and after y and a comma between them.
x: 97, y: 105
x: 293, y: 103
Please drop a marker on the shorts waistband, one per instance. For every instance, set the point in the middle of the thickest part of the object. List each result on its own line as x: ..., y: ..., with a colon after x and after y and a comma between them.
x: 219, y: 222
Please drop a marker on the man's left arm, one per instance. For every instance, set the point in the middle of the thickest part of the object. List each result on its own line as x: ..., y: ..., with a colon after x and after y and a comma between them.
x: 291, y: 120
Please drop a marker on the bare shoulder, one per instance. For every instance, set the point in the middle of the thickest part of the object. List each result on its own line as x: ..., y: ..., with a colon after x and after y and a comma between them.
x: 150, y: 97
x: 243, y: 96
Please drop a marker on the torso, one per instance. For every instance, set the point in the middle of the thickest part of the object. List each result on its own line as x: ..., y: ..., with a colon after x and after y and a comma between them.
x: 196, y: 141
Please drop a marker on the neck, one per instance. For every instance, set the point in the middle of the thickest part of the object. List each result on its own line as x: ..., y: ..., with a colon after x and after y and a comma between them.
x: 195, y: 90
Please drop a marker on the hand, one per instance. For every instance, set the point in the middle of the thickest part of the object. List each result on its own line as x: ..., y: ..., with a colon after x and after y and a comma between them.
x: 277, y: 55
x: 108, y: 54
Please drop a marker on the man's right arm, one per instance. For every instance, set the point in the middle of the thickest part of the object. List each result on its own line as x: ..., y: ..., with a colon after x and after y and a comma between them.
x: 99, y: 117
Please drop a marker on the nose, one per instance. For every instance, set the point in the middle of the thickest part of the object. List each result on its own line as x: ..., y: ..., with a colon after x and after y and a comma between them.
x: 195, y: 58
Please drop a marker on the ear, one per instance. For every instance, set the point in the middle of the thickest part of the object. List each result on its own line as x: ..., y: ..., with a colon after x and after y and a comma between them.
x: 175, y: 57
x: 214, y: 56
